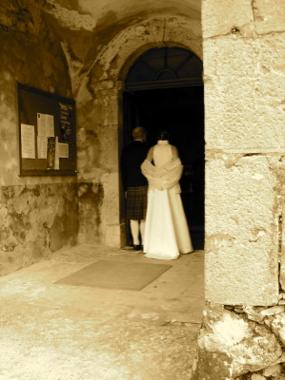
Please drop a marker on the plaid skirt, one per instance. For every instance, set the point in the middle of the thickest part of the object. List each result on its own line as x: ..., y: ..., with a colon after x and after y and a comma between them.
x: 136, y: 202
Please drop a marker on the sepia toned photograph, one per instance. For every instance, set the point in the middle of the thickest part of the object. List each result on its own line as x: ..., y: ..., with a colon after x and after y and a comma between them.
x: 142, y: 197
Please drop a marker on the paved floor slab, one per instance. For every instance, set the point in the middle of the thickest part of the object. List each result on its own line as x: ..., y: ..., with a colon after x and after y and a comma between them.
x: 54, y: 331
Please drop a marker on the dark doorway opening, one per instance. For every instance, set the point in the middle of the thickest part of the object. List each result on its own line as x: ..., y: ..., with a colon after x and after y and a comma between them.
x: 178, y: 106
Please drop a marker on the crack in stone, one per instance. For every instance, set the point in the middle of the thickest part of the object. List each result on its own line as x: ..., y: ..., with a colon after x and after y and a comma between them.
x: 180, y: 323
x: 280, y: 233
x: 255, y: 35
x: 253, y: 8
x: 253, y: 154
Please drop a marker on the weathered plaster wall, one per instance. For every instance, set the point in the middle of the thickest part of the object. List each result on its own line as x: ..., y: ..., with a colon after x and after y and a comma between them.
x: 243, y: 326
x: 36, y: 220
x: 38, y: 214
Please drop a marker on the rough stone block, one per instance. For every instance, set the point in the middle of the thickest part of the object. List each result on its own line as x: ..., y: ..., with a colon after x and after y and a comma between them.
x: 277, y: 324
x: 274, y: 370
x: 111, y: 204
x: 220, y: 17
x: 234, y: 346
x: 244, y: 93
x: 269, y: 16
x: 241, y: 234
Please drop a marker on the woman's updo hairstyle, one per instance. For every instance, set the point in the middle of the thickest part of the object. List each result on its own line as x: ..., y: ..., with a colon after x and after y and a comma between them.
x: 163, y: 135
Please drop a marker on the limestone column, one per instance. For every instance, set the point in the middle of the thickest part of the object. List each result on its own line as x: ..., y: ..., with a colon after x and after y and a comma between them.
x: 110, y: 137
x: 243, y: 44
x: 98, y: 162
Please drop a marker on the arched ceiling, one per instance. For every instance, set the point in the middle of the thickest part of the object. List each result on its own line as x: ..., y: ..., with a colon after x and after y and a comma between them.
x: 69, y: 12
x: 83, y: 27
x: 87, y: 25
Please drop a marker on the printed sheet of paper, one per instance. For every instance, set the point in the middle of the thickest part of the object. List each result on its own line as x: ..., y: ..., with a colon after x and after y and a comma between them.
x: 42, y: 146
x: 63, y: 150
x: 28, y: 141
x: 45, y: 125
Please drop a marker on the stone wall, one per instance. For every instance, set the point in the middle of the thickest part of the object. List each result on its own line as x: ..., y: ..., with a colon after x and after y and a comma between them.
x: 243, y: 329
x: 35, y: 220
x: 242, y: 342
x: 38, y: 214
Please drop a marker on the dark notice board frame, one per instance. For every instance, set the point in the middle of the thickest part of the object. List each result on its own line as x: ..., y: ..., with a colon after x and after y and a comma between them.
x: 32, y: 101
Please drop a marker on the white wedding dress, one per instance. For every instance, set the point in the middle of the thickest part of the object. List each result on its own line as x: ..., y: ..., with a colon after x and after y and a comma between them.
x: 166, y: 231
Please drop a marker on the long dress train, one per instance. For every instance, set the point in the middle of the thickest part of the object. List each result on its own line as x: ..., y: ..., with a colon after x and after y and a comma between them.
x: 166, y: 231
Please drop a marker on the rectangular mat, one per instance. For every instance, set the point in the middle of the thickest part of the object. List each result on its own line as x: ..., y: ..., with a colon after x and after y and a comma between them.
x: 116, y: 275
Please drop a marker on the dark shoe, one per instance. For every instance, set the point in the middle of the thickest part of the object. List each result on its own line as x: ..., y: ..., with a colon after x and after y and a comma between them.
x: 128, y: 248
x: 137, y: 247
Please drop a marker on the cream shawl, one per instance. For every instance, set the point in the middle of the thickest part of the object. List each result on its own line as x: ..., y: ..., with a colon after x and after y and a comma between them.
x: 163, y: 177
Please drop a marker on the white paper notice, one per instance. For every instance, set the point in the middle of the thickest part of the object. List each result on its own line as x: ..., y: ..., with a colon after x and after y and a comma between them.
x: 49, y: 125
x: 45, y: 125
x: 28, y: 141
x: 63, y: 150
x: 42, y: 146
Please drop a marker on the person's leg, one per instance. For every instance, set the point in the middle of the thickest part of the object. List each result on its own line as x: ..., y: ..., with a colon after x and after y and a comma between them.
x: 134, y: 226
x: 142, y: 225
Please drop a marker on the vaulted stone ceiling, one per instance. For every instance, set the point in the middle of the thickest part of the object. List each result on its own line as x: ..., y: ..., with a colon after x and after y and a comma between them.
x: 89, y: 14
x: 83, y: 27
x: 86, y: 25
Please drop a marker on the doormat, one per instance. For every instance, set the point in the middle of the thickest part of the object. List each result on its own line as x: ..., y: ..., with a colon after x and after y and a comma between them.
x: 116, y: 275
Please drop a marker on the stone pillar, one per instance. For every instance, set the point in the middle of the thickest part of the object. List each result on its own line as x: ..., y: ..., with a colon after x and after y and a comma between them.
x: 99, y: 165
x: 243, y: 43
x: 109, y: 95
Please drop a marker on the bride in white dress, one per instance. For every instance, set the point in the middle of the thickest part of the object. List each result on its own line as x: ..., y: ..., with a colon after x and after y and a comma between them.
x: 166, y: 232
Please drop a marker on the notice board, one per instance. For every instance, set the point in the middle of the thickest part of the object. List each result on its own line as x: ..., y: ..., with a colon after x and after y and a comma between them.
x: 47, y: 133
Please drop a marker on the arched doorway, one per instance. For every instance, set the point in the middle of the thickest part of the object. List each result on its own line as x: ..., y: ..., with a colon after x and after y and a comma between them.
x: 164, y: 89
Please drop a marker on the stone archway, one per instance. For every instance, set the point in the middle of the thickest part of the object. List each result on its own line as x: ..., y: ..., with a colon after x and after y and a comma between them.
x: 99, y: 113
x: 164, y: 89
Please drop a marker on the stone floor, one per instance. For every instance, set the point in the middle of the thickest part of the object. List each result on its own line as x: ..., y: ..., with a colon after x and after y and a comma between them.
x: 62, y: 332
